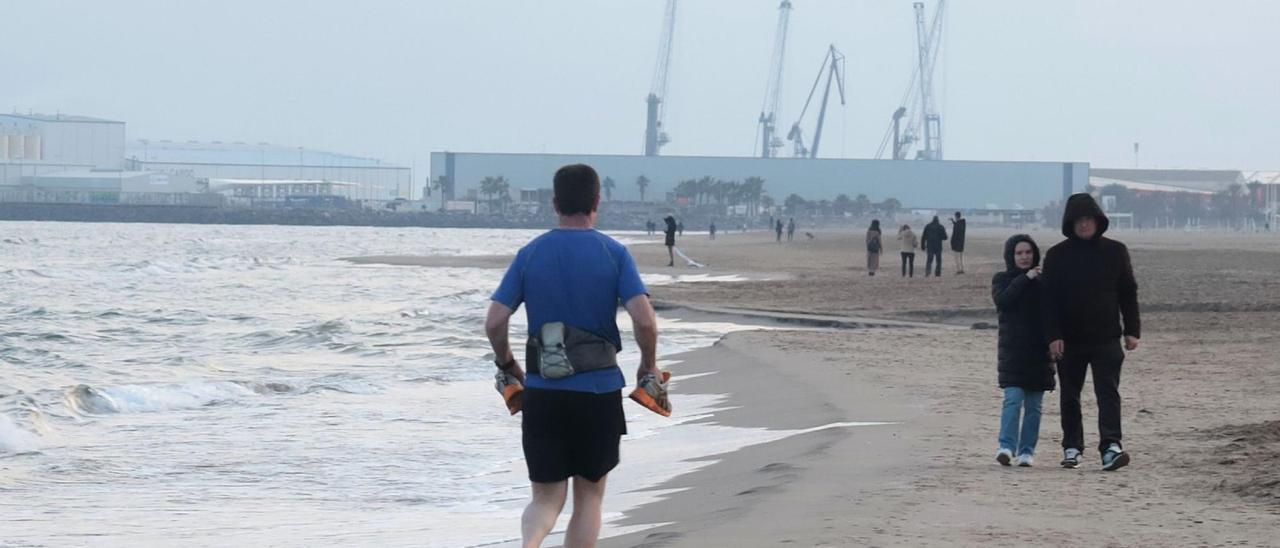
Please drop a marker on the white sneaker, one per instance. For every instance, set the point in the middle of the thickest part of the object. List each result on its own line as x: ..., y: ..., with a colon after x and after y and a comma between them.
x: 1025, y: 461
x: 1004, y: 457
x: 1071, y: 458
x: 1114, y: 458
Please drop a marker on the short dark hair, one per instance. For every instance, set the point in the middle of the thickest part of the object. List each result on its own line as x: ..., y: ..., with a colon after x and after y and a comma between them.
x: 576, y: 188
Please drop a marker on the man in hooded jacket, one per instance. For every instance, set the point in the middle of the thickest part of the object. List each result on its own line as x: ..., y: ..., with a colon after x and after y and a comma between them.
x: 931, y: 240
x: 1091, y: 302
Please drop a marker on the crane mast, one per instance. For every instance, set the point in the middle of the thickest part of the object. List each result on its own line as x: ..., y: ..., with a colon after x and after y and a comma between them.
x: 770, y: 112
x: 654, y: 135
x: 928, y: 42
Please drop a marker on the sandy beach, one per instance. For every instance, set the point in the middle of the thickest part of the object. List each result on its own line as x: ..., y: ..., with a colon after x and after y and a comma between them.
x: 1200, y: 409
x: 1201, y: 418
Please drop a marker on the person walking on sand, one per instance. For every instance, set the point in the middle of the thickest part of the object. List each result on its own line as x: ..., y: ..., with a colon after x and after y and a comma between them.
x: 931, y: 240
x: 670, y: 239
x: 791, y: 229
x: 1091, y: 303
x: 875, y: 245
x: 957, y: 241
x: 572, y: 278
x: 779, y: 230
x: 1025, y: 371
x: 712, y: 230
x: 680, y: 227
x: 909, y: 242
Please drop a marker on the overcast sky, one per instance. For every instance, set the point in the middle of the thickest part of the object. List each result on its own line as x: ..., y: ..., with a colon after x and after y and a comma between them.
x: 1196, y: 83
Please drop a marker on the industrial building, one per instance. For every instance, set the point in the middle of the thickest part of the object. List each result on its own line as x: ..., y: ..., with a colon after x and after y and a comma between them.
x: 358, y: 178
x: 32, y: 145
x: 916, y: 184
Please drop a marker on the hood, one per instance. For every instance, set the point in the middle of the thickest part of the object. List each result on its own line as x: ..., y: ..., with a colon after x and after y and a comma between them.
x: 1011, y: 243
x: 1082, y: 205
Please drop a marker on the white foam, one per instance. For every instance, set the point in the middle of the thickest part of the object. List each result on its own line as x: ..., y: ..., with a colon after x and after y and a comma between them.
x: 15, y: 439
x: 150, y: 398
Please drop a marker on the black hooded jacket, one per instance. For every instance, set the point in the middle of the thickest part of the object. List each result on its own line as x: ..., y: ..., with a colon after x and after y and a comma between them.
x: 933, y: 236
x: 1023, y: 351
x: 1089, y: 284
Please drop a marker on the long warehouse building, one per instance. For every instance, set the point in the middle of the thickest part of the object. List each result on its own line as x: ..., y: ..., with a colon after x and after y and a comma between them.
x: 947, y: 184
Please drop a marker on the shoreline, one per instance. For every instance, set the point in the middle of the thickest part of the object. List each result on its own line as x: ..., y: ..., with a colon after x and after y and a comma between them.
x: 920, y: 353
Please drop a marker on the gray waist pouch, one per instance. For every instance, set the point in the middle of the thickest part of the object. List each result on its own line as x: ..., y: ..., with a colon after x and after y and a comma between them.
x: 560, y: 350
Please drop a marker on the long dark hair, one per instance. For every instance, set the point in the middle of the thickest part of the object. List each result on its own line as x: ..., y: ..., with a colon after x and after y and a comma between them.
x: 875, y: 225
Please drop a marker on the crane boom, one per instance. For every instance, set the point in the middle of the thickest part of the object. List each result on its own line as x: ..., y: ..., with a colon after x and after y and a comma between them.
x: 654, y: 136
x: 833, y: 68
x: 770, y: 111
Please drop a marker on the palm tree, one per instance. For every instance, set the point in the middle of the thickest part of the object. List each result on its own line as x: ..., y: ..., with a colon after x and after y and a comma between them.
x: 766, y: 201
x: 643, y: 183
x: 793, y: 203
x: 438, y: 185
x: 494, y: 186
x: 861, y: 205
x: 504, y: 190
x: 753, y: 190
x: 608, y: 185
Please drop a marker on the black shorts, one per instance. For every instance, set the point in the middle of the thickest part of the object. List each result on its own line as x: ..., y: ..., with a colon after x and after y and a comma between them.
x: 670, y: 240
x: 568, y: 433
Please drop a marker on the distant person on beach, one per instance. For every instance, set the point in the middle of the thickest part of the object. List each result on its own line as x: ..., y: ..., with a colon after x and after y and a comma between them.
x: 957, y: 241
x: 1091, y: 303
x: 931, y: 240
x: 670, y: 240
x: 680, y: 227
x: 1025, y: 370
x: 712, y: 230
x: 650, y: 226
x: 875, y: 245
x: 909, y: 242
x: 572, y: 277
x: 778, y: 229
x: 791, y: 229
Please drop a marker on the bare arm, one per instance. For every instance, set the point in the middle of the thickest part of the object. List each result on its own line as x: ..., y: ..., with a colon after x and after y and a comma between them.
x: 496, y: 326
x: 645, y: 322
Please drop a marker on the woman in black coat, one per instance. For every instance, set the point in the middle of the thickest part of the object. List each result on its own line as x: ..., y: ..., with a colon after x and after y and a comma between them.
x: 1024, y: 366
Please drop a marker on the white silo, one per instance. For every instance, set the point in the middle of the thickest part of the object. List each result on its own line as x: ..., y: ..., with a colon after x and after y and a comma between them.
x: 31, y: 148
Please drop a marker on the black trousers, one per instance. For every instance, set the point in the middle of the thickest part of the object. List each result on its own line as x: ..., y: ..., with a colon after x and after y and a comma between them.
x: 933, y: 261
x: 908, y: 264
x: 1105, y: 359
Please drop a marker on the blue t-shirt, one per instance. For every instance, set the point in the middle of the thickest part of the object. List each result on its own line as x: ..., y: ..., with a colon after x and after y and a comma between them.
x: 578, y: 277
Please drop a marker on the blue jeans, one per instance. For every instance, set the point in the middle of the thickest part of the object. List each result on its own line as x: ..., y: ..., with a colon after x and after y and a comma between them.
x: 1022, y: 441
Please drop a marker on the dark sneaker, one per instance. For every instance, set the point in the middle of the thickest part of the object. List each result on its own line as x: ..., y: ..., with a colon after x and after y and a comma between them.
x: 1071, y: 458
x: 1004, y: 457
x: 1114, y: 458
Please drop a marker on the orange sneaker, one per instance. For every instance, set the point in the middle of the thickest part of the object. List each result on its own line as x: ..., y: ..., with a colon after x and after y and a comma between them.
x: 652, y: 394
x: 511, y: 390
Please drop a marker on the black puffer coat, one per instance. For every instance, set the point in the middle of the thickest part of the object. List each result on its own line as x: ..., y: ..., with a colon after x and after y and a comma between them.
x: 1091, y: 296
x: 1023, y: 355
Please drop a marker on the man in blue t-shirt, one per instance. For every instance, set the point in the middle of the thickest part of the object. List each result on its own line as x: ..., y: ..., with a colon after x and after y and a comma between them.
x: 572, y: 426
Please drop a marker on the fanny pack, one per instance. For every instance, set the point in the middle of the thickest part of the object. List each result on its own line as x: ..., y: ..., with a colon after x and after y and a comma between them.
x: 560, y: 350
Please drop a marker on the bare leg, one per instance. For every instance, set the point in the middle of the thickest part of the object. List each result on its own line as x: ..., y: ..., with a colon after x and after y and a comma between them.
x: 584, y: 526
x: 541, y: 513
